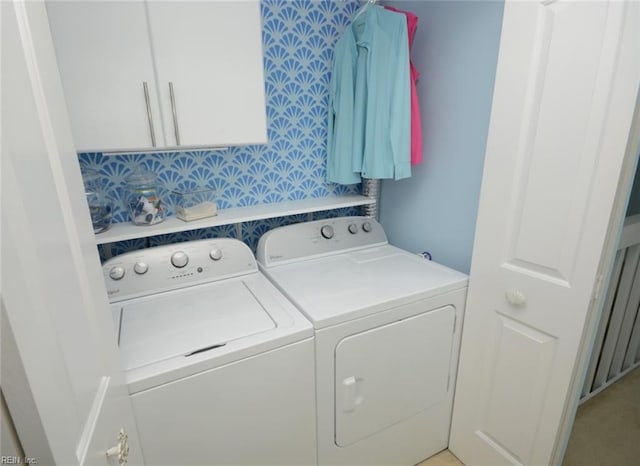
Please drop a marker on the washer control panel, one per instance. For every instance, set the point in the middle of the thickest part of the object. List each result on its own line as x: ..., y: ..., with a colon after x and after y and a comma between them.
x: 174, y: 266
x: 320, y: 237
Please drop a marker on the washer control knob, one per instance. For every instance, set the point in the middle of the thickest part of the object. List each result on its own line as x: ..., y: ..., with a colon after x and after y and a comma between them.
x: 367, y: 227
x: 140, y: 268
x: 353, y: 228
x: 179, y: 259
x: 215, y: 254
x: 116, y: 273
x: 327, y: 231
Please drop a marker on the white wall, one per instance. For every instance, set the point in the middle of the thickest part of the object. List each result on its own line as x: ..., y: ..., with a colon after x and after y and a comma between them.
x: 456, y: 51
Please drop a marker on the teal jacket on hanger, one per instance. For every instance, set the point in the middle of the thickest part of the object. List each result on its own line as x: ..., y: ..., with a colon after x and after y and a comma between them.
x: 369, y: 100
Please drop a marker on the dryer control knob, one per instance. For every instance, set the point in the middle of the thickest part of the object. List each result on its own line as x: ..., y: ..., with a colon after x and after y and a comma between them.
x: 215, y: 254
x: 353, y: 228
x: 367, y: 227
x: 327, y: 231
x: 116, y: 273
x: 140, y: 268
x: 179, y: 259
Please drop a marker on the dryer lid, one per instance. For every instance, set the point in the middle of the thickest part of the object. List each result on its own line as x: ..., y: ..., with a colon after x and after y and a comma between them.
x: 188, y: 321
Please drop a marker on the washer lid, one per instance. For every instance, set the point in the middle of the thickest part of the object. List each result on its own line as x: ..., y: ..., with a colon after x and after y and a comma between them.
x: 346, y: 286
x: 183, y: 322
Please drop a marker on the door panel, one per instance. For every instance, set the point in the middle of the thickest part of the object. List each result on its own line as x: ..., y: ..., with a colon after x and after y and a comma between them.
x: 521, y: 357
x: 553, y: 145
x: 389, y: 373
x: 566, y: 83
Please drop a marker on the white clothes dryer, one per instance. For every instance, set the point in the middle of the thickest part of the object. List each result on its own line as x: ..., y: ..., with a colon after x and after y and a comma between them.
x: 387, y: 326
x: 219, y: 364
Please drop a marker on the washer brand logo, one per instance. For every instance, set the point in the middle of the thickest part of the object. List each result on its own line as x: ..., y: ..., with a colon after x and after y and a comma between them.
x: 277, y: 256
x: 112, y: 292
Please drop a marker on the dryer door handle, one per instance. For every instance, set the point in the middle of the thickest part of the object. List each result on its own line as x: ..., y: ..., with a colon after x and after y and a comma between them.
x: 352, y: 393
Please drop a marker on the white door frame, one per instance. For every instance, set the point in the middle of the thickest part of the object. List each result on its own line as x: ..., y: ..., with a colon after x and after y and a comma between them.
x: 616, y: 223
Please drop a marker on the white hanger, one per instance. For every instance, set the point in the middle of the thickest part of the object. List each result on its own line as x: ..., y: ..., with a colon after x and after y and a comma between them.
x: 363, y: 8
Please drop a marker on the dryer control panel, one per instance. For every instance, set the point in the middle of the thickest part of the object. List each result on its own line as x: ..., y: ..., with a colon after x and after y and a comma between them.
x: 164, y: 268
x: 305, y: 240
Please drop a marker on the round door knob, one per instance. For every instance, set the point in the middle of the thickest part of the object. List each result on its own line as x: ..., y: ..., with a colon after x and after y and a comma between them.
x: 215, y: 254
x: 140, y: 268
x: 121, y: 450
x: 116, y: 273
x: 367, y: 227
x: 515, y: 298
x: 327, y: 231
x: 179, y: 259
x: 353, y: 228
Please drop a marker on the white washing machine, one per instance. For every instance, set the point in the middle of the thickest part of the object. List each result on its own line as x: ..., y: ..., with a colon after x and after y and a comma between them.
x: 219, y: 364
x: 387, y: 326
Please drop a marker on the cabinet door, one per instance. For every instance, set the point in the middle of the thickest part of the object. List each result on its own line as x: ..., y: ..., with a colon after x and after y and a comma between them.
x: 211, y: 53
x: 104, y: 56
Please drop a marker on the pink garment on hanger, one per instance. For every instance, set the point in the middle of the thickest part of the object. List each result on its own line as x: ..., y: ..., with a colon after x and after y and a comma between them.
x: 416, y: 127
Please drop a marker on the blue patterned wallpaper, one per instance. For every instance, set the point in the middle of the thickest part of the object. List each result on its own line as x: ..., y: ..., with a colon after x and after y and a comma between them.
x: 298, y: 38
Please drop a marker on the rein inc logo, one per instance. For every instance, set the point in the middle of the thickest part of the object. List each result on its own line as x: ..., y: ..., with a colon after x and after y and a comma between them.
x: 17, y: 460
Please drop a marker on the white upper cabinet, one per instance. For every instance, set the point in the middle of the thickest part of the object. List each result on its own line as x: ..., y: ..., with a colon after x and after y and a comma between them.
x: 155, y: 74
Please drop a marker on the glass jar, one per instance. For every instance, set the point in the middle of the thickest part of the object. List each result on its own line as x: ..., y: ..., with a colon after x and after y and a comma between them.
x: 100, y: 206
x: 143, y: 200
x: 194, y: 205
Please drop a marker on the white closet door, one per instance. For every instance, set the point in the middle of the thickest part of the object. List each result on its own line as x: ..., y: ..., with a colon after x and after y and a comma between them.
x: 53, y: 292
x: 104, y: 56
x: 211, y: 53
x: 390, y: 373
x: 566, y: 85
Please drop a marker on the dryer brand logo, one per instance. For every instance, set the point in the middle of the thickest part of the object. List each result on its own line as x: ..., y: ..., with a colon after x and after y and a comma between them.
x: 113, y: 292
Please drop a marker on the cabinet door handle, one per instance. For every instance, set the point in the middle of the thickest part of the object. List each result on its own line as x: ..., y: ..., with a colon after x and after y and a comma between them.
x: 149, y: 116
x: 175, y: 113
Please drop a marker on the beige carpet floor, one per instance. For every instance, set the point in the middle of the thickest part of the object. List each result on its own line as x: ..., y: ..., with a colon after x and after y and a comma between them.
x: 606, y: 431
x: 444, y: 458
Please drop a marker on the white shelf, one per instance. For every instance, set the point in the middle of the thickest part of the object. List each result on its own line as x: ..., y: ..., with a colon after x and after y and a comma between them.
x: 125, y: 231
